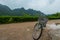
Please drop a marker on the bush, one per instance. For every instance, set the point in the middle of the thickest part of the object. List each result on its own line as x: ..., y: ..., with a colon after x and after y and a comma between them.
x: 53, y: 17
x: 12, y: 19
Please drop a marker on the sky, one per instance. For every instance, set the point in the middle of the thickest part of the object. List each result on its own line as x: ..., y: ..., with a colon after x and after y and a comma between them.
x: 46, y: 6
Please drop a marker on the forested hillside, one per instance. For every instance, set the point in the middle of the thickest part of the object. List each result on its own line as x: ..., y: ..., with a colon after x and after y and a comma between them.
x: 6, y: 11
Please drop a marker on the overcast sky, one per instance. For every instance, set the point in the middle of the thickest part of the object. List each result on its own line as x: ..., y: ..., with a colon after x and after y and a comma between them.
x: 46, y: 6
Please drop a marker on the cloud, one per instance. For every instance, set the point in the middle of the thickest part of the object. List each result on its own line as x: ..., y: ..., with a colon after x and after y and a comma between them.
x: 46, y: 6
x: 37, y: 4
x: 25, y: 3
x: 53, y: 8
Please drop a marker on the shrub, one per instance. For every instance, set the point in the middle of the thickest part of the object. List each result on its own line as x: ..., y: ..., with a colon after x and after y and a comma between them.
x: 12, y: 19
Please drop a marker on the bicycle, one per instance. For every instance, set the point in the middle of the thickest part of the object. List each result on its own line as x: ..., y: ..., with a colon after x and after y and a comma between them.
x: 38, y: 28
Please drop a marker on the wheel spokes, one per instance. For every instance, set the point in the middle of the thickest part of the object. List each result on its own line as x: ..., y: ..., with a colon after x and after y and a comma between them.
x: 37, y: 31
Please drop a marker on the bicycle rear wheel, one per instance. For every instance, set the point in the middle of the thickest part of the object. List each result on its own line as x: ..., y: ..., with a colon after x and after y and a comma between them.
x: 37, y: 31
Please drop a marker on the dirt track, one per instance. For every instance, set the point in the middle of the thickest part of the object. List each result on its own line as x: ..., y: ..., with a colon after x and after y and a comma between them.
x: 20, y: 31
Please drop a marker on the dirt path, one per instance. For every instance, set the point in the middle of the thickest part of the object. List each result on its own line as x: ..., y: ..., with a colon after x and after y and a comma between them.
x: 16, y: 31
x: 19, y: 31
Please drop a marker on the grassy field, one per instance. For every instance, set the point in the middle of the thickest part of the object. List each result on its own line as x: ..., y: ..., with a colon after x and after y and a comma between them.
x: 21, y: 31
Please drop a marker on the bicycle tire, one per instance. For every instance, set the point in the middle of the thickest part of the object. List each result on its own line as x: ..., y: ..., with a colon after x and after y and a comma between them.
x: 40, y: 31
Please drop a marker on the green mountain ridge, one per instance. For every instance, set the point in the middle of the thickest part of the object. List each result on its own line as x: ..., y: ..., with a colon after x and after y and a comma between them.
x: 6, y: 11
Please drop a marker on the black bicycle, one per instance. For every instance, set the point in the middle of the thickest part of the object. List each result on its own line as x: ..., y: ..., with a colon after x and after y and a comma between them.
x: 38, y: 28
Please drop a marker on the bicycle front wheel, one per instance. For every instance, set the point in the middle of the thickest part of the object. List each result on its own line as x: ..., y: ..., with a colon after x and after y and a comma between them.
x: 37, y: 31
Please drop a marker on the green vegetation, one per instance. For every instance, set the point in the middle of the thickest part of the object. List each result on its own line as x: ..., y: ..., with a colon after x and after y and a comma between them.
x: 17, y: 15
x: 54, y: 16
x: 21, y: 15
x: 25, y: 18
x: 14, y: 19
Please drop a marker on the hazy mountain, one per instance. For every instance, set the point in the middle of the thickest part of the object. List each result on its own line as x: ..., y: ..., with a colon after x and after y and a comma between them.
x: 5, y: 10
x: 19, y: 11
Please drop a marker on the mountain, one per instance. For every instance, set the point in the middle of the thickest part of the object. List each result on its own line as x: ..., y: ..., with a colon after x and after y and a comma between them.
x: 19, y: 11
x: 34, y: 12
x: 5, y: 10
x: 31, y: 12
